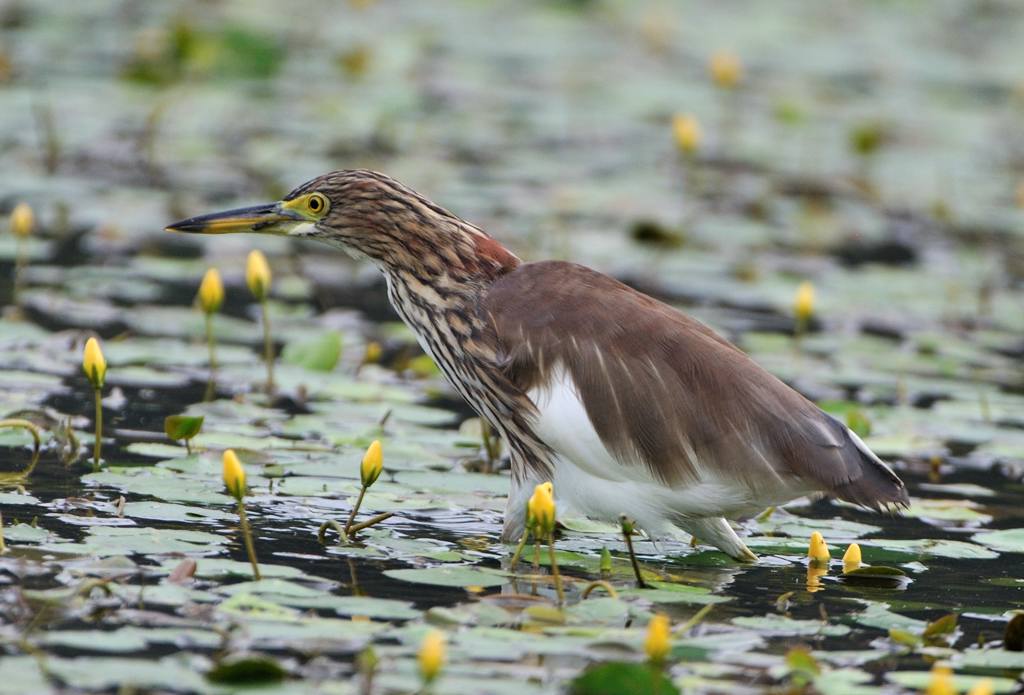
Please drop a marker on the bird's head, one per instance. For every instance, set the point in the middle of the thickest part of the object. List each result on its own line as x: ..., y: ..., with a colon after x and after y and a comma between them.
x: 371, y: 215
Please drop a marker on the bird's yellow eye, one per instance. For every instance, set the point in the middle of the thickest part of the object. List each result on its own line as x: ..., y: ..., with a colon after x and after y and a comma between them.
x: 317, y: 203
x: 312, y: 206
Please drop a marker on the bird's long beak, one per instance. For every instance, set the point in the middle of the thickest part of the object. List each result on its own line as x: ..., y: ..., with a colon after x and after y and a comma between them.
x: 264, y: 219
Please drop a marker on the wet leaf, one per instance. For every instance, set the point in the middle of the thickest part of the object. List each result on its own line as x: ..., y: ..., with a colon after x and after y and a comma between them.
x: 182, y: 426
x: 247, y: 671
x: 457, y: 575
x: 622, y: 679
x: 318, y: 354
x: 1006, y: 541
x: 941, y: 627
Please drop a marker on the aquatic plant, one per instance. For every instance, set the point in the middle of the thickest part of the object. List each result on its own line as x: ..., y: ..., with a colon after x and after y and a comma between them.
x: 95, y: 367
x: 258, y: 278
x: 234, y: 481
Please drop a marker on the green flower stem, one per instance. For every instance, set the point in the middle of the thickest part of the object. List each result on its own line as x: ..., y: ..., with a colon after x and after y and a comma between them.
x: 211, y: 344
x: 370, y: 522
x: 599, y: 584
x: 36, y: 438
x: 554, y: 569
x: 355, y: 509
x: 632, y: 558
x: 799, y: 330
x: 98, y: 393
x: 343, y: 535
x: 519, y: 549
x: 490, y: 442
x: 321, y: 535
x: 250, y: 549
x: 697, y: 617
x: 19, y: 268
x: 32, y: 428
x: 268, y: 347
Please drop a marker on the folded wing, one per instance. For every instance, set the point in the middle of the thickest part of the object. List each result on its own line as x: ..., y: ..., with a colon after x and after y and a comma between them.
x: 664, y: 391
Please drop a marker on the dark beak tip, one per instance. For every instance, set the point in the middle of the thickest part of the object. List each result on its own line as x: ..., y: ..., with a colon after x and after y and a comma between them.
x: 188, y: 225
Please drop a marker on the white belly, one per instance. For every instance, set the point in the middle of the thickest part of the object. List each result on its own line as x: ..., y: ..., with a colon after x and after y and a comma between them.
x: 590, y: 481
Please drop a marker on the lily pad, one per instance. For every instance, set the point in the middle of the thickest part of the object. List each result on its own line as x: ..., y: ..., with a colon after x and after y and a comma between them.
x: 458, y: 575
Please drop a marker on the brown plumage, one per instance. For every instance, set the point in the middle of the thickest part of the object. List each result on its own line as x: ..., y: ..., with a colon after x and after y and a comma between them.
x: 665, y: 391
x: 627, y: 404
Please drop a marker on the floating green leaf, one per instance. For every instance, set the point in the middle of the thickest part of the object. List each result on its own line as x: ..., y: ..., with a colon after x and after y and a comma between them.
x: 458, y: 575
x: 618, y: 678
x: 182, y: 426
x: 318, y: 354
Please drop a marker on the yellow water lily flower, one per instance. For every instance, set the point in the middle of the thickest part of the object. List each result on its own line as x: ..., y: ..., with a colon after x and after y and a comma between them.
x: 373, y: 353
x: 941, y: 681
x: 687, y: 133
x: 94, y: 364
x: 540, y: 510
x: 803, y: 304
x: 851, y: 558
x: 372, y: 464
x: 23, y: 220
x: 211, y: 291
x: 432, y: 655
x: 234, y: 475
x: 818, y: 550
x: 257, y: 274
x: 982, y: 687
x: 658, y: 643
x: 726, y: 69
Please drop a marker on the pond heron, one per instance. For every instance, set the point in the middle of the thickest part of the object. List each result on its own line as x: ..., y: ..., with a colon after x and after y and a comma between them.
x: 628, y: 405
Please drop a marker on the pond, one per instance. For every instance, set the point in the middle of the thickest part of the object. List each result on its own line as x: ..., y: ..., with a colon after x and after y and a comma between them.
x: 872, y: 150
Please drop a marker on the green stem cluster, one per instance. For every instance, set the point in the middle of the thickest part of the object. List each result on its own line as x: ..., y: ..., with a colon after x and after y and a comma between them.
x: 554, y: 569
x: 627, y: 534
x: 98, y: 444
x: 250, y: 548
x: 555, y: 574
x: 211, y: 344
x: 355, y: 510
x: 346, y: 533
x: 268, y: 347
x: 21, y: 260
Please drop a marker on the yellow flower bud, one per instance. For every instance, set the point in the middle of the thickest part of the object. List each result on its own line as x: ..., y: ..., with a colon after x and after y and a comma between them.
x: 211, y: 291
x: 803, y: 305
x: 982, y: 687
x: 726, y: 69
x: 23, y: 220
x: 658, y: 643
x: 257, y: 274
x: 94, y: 364
x: 234, y: 475
x: 431, y: 656
x: 941, y: 682
x: 687, y: 133
x: 818, y: 551
x: 373, y: 353
x: 851, y: 558
x: 540, y: 510
x: 372, y: 465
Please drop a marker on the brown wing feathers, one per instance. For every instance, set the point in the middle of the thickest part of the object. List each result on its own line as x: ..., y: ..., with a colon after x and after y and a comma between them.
x: 664, y: 391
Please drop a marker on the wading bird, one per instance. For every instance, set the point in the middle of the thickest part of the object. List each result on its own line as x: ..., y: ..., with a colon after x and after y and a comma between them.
x: 628, y: 405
